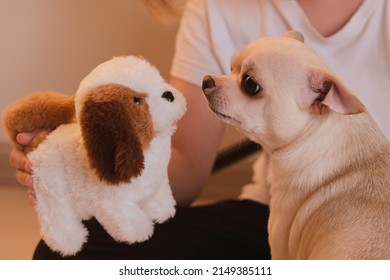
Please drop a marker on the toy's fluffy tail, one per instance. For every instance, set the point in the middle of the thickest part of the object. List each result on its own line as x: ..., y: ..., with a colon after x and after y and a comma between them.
x: 43, y: 111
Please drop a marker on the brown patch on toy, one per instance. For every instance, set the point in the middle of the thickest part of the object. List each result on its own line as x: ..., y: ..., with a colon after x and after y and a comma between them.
x: 116, y: 126
x: 43, y: 111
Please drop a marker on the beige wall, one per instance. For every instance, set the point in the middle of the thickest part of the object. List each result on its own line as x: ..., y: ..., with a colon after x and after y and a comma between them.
x: 53, y: 44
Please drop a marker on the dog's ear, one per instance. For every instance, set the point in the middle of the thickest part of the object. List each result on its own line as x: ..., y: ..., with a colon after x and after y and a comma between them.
x: 331, y: 92
x: 110, y: 137
x: 294, y: 35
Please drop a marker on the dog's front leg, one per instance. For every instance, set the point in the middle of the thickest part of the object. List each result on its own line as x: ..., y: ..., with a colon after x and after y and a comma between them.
x: 123, y: 219
x: 161, y: 206
x: 278, y: 237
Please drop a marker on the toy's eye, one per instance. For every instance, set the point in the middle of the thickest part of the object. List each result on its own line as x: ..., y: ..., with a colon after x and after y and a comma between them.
x: 137, y: 100
x: 250, y: 86
x: 168, y: 95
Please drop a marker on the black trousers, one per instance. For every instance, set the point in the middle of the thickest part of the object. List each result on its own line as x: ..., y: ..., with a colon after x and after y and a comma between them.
x: 227, y: 230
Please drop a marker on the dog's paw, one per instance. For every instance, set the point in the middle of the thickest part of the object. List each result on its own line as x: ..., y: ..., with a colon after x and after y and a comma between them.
x: 160, y: 212
x: 160, y: 207
x: 65, y: 240
x: 133, y: 231
x: 126, y: 223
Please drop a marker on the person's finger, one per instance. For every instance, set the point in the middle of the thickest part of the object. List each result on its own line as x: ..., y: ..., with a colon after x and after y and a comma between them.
x: 24, y: 178
x: 32, y: 199
x: 25, y: 138
x: 19, y: 160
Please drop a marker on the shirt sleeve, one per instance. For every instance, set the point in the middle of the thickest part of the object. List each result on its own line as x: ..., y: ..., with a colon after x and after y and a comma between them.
x: 194, y: 56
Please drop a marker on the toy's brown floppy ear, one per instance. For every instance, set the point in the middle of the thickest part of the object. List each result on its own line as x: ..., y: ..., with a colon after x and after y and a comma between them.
x: 332, y: 93
x: 114, y: 149
x: 43, y: 111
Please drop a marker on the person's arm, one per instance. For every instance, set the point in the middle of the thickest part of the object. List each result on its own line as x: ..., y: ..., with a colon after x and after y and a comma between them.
x: 194, y: 145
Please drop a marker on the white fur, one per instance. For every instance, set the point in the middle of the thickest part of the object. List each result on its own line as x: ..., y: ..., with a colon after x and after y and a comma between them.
x: 68, y: 190
x: 328, y: 163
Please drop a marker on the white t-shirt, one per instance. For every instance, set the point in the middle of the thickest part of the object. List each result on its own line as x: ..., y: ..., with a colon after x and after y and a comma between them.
x: 211, y: 31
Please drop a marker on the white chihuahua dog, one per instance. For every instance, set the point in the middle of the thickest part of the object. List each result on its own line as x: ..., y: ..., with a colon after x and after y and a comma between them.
x: 329, y: 163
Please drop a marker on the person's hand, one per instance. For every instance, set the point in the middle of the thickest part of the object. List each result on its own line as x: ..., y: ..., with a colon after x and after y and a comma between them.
x: 20, y: 162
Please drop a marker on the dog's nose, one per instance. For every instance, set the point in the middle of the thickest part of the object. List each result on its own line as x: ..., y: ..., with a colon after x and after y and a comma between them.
x: 168, y: 96
x: 208, y: 82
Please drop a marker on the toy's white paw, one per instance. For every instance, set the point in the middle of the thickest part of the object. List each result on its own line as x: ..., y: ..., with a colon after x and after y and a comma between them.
x: 64, y: 240
x: 132, y: 231
x: 160, y: 211
x: 126, y: 223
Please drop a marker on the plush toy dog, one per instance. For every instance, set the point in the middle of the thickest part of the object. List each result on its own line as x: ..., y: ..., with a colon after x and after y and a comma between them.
x: 109, y: 160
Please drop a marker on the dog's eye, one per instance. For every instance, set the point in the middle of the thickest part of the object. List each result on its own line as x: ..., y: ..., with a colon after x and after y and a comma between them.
x: 168, y: 95
x: 250, y: 86
x: 137, y: 100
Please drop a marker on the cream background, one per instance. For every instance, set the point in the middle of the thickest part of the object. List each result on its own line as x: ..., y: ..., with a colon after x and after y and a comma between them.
x: 52, y: 45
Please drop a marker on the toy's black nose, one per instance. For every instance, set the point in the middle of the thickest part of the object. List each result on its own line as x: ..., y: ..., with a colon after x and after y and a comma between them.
x: 208, y: 82
x: 168, y: 95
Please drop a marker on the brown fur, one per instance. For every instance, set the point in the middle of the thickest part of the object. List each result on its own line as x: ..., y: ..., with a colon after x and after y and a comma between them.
x: 116, y: 127
x: 40, y: 110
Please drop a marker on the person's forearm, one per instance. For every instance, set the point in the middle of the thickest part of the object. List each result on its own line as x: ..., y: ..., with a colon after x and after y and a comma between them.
x: 194, y: 145
x: 186, y: 179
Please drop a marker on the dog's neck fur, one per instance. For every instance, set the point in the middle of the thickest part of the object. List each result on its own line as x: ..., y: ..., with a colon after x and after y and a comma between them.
x: 311, y: 165
x: 324, y: 143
